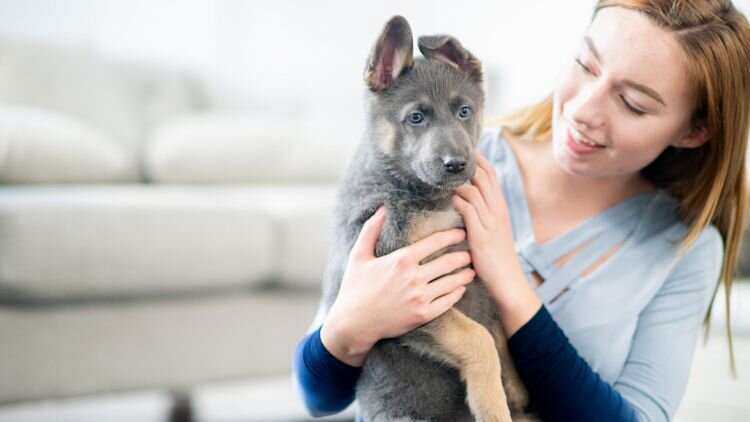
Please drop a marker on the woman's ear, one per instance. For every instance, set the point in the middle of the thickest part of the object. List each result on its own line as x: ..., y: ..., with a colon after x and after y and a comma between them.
x: 694, y: 137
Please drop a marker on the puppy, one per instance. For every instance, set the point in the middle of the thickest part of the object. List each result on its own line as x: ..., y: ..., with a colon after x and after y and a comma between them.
x: 424, y: 119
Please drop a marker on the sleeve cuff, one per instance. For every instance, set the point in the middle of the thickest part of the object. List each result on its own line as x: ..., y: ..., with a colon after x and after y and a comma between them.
x: 541, y: 329
x: 324, y: 365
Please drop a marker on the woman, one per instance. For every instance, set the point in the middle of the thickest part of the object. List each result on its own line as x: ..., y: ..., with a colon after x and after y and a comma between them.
x: 619, y: 205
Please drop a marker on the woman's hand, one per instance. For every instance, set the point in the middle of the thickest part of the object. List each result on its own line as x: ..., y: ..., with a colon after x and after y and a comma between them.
x: 391, y: 295
x: 487, y: 220
x: 493, y: 252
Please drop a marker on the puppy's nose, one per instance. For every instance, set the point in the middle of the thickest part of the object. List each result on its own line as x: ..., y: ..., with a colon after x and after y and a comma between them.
x: 454, y: 165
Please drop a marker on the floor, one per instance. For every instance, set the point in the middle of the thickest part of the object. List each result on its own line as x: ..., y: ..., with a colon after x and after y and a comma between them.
x: 712, y: 394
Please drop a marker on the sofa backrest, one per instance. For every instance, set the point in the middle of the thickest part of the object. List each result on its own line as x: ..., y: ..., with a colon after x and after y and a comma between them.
x: 120, y: 101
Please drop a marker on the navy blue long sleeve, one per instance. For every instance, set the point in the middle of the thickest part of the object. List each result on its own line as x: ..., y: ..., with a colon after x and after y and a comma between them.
x: 561, y: 385
x: 326, y: 383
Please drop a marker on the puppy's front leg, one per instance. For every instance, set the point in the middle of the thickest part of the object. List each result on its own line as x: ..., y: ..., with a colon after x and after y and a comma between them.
x: 518, y: 397
x: 466, y: 345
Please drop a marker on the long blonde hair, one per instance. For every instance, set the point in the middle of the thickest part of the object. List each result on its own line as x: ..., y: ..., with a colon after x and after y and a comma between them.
x: 709, y: 182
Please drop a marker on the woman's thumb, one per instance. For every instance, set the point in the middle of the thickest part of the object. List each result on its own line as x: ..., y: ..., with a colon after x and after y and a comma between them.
x: 365, y: 244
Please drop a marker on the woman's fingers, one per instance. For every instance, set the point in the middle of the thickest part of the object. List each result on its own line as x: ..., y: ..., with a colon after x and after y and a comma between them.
x: 446, y: 284
x: 445, y: 264
x: 489, y: 184
x: 468, y: 212
x: 364, y: 247
x: 445, y: 302
x: 489, y: 169
x: 435, y: 242
x: 473, y: 195
x: 484, y: 179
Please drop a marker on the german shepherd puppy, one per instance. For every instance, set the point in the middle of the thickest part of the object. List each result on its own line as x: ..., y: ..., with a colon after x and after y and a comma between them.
x: 424, y: 121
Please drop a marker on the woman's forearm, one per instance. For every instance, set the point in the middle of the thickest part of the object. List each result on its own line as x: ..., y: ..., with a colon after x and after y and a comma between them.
x: 561, y: 385
x: 327, y: 384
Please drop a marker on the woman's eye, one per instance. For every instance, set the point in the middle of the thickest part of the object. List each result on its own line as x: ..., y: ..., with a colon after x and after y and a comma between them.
x: 464, y: 112
x: 634, y: 110
x: 416, y: 118
x: 583, y: 66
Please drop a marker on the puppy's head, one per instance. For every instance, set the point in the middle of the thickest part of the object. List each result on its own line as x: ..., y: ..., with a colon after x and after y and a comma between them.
x: 425, y: 113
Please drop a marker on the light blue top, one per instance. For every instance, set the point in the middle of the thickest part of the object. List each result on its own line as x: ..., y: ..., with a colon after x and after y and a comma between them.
x: 635, y: 319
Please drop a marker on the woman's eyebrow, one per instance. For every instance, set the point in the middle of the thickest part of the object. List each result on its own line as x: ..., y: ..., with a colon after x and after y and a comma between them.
x: 590, y: 44
x: 644, y: 89
x: 638, y: 87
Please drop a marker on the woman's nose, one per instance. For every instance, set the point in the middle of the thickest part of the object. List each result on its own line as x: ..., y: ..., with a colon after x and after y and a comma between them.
x: 588, y: 107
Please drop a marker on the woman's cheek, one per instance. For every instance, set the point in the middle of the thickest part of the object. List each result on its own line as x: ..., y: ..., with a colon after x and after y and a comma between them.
x: 634, y: 145
x: 567, y: 85
x: 565, y: 89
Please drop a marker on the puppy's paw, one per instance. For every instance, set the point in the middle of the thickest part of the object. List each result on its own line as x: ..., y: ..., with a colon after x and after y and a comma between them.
x: 486, y: 398
x: 494, y: 411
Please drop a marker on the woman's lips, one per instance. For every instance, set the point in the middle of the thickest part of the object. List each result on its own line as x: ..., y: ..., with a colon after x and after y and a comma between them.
x: 577, y: 144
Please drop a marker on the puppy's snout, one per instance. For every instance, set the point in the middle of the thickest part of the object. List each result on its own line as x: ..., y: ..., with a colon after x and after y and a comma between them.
x: 454, y: 164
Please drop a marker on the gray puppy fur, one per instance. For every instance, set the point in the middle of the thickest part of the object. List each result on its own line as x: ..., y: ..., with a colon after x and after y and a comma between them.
x: 424, y: 119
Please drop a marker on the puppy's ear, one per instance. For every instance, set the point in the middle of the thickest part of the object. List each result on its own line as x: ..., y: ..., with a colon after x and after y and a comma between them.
x: 447, y: 49
x: 391, y: 55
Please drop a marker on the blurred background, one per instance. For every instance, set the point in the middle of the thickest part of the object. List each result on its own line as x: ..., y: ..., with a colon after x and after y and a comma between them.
x: 167, y: 171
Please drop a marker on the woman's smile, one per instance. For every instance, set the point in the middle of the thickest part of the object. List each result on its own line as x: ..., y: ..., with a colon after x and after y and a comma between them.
x: 579, y: 144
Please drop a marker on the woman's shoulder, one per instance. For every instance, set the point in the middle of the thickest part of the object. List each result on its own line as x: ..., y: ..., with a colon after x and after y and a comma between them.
x: 662, y: 229
x: 662, y: 216
x: 706, y: 253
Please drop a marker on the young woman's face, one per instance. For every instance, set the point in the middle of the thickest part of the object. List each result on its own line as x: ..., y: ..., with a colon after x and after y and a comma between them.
x: 625, y: 92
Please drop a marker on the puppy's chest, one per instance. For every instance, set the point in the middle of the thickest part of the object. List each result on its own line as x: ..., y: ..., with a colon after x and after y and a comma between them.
x: 420, y: 224
x: 408, y: 222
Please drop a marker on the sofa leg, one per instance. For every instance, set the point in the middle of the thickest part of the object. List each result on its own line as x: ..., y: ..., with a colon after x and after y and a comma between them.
x: 182, y: 409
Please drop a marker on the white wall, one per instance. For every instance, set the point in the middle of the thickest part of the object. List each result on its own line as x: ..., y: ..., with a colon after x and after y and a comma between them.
x: 309, y: 55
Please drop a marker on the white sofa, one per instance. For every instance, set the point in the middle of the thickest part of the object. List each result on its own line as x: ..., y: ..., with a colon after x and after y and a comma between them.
x: 148, y: 240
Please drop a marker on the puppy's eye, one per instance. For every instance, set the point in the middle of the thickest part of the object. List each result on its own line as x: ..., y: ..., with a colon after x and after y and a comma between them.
x: 464, y: 112
x: 416, y: 118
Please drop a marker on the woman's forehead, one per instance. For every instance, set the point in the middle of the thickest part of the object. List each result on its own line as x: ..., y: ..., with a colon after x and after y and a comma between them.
x: 632, y: 48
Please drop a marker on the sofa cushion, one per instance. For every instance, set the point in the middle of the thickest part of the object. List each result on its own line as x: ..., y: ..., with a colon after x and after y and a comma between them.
x: 67, y: 243
x: 302, y: 217
x: 64, y: 351
x: 242, y: 147
x: 43, y: 146
x: 71, y: 80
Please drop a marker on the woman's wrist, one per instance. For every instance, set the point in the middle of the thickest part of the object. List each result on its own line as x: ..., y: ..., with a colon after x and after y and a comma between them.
x: 515, y: 298
x: 345, y: 342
